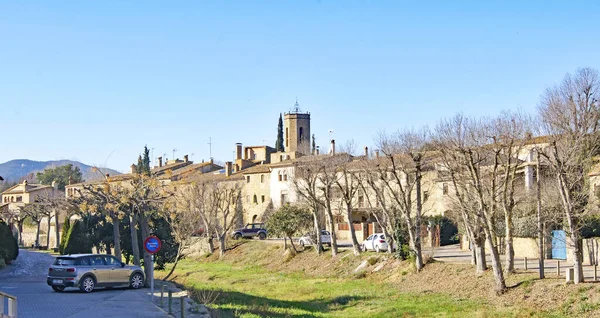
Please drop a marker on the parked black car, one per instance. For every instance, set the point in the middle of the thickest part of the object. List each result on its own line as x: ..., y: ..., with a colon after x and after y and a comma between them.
x: 251, y: 230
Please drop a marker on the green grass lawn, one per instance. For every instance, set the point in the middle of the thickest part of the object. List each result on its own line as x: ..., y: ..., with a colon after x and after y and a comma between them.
x: 254, y: 291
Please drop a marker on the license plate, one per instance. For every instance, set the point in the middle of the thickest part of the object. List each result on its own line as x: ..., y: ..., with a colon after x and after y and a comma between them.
x: 57, y: 281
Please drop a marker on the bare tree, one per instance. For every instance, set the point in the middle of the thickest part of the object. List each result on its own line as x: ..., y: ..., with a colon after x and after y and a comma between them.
x: 313, y: 181
x: 185, y: 220
x: 474, y: 171
x: 196, y: 198
x: 226, y: 198
x: 404, y: 160
x: 570, y: 112
x: 35, y: 213
x: 348, y: 184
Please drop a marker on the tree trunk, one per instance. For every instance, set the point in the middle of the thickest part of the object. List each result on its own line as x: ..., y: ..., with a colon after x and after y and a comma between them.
x: 334, y: 247
x: 577, y: 255
x: 510, y: 251
x: 48, y: 232
x: 285, y: 244
x: 21, y: 231
x: 496, y: 264
x: 293, y: 246
x: 319, y: 244
x: 211, y: 244
x: 479, y: 248
x: 540, y: 225
x: 414, y: 243
x: 417, y: 226
x: 135, y: 246
x: 37, y: 234
x: 355, y: 245
x: 57, y: 227
x: 148, y: 270
x: 116, y: 235
x: 177, y: 258
x: 221, y: 245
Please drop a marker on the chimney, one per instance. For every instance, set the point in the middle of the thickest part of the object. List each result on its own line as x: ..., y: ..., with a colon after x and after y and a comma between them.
x: 133, y: 169
x: 185, y: 158
x: 55, y: 185
x: 159, y: 162
x: 367, y: 152
x: 238, y: 151
x: 317, y: 150
x: 108, y: 175
x: 228, y: 168
x: 332, y: 150
x: 70, y: 180
x: 376, y: 153
x: 211, y: 160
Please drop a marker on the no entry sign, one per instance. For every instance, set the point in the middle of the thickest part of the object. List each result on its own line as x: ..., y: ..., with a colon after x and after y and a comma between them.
x: 152, y: 244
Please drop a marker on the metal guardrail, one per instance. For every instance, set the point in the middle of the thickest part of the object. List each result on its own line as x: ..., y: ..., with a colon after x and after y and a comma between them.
x: 8, y: 306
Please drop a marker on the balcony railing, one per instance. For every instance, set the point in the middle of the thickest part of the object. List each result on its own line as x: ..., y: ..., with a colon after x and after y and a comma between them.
x: 8, y: 306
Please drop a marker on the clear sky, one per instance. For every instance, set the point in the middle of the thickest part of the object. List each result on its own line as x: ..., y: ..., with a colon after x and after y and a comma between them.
x: 97, y: 80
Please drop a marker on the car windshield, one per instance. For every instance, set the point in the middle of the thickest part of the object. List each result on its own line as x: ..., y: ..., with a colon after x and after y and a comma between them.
x: 382, y: 237
x: 64, y: 261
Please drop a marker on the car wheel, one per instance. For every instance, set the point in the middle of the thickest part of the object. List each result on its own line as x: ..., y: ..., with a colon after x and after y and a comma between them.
x: 301, y: 243
x: 58, y: 288
x: 262, y: 236
x: 136, y: 281
x: 237, y: 236
x: 87, y: 284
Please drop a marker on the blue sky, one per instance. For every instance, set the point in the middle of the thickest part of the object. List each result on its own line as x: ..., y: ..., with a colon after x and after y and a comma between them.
x: 97, y: 80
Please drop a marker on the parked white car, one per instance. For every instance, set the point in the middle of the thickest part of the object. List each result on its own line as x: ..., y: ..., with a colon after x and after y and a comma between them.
x: 307, y: 239
x: 376, y: 242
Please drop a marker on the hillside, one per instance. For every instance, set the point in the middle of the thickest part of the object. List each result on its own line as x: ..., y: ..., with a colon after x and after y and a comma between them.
x: 256, y: 279
x: 14, y: 170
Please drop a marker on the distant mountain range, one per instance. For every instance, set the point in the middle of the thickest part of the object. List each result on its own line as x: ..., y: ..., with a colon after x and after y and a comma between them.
x: 16, y: 170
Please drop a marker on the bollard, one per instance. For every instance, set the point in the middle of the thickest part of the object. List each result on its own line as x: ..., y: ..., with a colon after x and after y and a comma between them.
x: 595, y: 272
x: 558, y: 268
x: 569, y: 275
x: 182, y: 303
x: 162, y: 291
x: 525, y: 263
x: 170, y: 302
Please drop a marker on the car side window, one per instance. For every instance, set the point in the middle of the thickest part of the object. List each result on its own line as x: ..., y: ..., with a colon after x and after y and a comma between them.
x: 112, y: 261
x: 97, y: 260
x: 370, y: 238
x: 84, y: 261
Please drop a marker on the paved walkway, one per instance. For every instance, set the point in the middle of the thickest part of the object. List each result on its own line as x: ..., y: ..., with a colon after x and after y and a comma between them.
x: 453, y: 254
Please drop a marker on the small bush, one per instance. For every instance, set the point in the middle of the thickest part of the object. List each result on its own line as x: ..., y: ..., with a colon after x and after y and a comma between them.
x: 8, y: 243
x: 78, y: 242
x: 372, y: 260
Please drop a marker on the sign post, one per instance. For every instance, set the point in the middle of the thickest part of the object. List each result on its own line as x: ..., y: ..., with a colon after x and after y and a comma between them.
x: 152, y: 245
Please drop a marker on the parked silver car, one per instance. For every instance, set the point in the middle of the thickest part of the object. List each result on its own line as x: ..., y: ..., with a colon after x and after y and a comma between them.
x: 88, y: 271
x: 309, y: 238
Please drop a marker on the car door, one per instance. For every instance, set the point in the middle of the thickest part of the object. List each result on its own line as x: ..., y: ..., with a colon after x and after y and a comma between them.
x: 100, y: 270
x: 369, y: 243
x: 118, y: 274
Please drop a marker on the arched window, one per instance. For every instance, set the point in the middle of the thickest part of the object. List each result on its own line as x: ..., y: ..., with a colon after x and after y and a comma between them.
x: 254, y: 217
x: 301, y: 134
x: 254, y: 199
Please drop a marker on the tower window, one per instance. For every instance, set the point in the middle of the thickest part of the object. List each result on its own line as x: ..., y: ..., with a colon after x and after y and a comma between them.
x: 287, y: 137
x: 301, y: 134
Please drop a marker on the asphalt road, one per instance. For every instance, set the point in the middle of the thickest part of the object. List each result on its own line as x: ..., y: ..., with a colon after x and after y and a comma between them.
x: 26, y: 279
